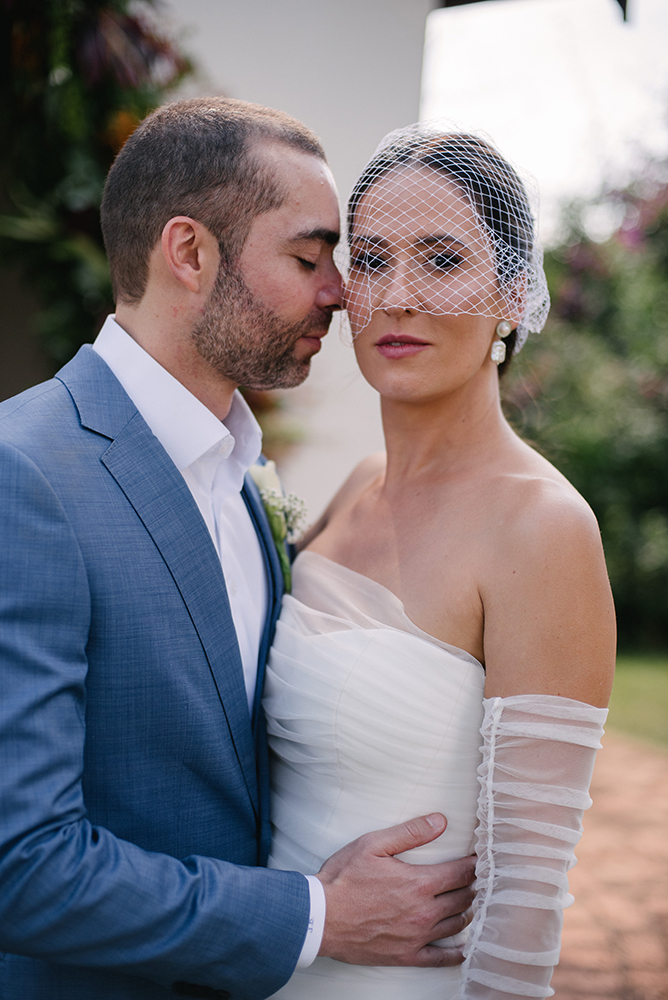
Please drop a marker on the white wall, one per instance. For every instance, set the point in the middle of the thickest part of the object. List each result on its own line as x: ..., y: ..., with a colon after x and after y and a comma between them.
x: 350, y: 69
x: 581, y: 103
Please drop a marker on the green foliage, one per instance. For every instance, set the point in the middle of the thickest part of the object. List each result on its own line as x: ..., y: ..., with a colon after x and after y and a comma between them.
x: 592, y: 393
x: 76, y: 77
x: 639, y: 702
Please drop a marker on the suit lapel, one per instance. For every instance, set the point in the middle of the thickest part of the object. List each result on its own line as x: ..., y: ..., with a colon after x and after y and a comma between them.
x: 253, y: 502
x: 159, y: 495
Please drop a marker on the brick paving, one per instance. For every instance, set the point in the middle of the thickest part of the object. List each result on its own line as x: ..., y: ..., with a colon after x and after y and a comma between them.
x: 615, y: 941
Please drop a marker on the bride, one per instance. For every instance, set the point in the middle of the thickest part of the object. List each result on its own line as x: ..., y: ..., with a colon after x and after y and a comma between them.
x: 449, y: 641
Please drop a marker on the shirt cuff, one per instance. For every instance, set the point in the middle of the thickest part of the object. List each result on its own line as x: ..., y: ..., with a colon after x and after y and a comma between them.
x: 316, y: 923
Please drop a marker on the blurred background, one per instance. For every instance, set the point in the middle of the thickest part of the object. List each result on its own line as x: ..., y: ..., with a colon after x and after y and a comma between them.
x: 576, y: 92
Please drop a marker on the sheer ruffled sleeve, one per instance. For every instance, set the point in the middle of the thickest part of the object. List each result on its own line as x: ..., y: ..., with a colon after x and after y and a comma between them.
x: 538, y: 757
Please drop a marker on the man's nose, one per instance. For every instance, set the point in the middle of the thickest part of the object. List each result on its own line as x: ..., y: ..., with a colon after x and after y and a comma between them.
x: 330, y: 295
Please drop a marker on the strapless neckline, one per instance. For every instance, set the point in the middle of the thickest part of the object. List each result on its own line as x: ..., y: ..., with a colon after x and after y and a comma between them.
x: 371, y: 721
x: 383, y: 596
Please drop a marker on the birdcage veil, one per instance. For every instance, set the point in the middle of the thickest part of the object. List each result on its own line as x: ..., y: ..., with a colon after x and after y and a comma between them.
x: 441, y: 222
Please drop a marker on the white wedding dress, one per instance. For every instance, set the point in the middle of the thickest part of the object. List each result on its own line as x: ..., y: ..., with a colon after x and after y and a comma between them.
x: 371, y: 722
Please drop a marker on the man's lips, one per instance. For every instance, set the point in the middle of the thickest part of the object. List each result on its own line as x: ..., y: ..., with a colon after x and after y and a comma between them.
x: 315, y: 331
x: 314, y: 340
x: 400, y: 345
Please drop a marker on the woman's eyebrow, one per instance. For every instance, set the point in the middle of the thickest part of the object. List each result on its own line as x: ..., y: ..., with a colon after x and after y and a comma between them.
x: 374, y: 241
x: 430, y: 241
x: 422, y: 241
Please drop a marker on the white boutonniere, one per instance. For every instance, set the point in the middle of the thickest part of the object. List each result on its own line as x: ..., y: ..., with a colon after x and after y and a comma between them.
x: 284, y: 513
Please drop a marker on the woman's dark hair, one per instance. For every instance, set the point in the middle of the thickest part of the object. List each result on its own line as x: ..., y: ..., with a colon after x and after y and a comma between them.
x: 480, y: 172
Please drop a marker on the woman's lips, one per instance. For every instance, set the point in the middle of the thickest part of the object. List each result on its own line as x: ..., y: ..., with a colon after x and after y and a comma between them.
x: 400, y: 346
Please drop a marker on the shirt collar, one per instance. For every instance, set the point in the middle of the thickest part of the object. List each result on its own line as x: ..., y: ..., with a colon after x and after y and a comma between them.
x: 184, y: 426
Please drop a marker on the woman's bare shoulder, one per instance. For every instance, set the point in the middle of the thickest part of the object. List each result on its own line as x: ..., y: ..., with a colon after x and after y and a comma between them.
x: 529, y: 492
x: 537, y: 518
x: 549, y: 619
x: 364, y: 472
x: 539, y: 498
x: 369, y: 469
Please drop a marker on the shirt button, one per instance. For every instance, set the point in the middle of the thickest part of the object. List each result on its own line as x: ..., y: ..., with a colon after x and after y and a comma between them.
x: 232, y: 588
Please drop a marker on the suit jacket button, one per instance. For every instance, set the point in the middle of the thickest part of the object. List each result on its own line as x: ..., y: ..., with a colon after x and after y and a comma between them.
x: 195, y: 990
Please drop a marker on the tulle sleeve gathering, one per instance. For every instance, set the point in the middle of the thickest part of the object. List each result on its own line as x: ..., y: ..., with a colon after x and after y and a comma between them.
x: 538, y: 755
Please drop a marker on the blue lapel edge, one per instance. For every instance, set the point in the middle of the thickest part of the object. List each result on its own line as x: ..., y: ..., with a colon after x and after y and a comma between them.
x: 105, y: 408
x: 258, y: 516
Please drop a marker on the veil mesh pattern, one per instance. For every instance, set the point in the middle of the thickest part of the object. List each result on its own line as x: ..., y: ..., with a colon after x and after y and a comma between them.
x: 440, y: 222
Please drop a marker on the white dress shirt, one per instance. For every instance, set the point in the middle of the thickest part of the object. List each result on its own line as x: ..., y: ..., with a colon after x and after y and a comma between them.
x: 213, y: 457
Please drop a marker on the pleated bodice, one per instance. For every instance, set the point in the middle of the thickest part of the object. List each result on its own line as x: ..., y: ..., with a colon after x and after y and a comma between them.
x: 371, y: 722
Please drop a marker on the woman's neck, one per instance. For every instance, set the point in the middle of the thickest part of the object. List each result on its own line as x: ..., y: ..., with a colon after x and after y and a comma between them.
x: 447, y: 436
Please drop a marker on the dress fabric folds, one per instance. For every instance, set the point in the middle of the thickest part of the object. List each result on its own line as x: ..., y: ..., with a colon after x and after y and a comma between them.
x: 372, y: 721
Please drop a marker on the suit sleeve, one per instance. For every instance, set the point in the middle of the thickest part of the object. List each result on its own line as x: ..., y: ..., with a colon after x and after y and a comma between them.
x: 74, y: 893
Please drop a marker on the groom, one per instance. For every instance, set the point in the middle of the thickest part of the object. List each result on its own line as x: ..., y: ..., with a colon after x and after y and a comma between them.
x: 139, y: 588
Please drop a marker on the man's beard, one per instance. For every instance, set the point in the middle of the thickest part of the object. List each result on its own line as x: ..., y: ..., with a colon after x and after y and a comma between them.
x: 248, y: 343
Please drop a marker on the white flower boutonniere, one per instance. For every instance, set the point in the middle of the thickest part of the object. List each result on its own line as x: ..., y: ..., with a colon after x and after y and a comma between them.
x: 284, y: 513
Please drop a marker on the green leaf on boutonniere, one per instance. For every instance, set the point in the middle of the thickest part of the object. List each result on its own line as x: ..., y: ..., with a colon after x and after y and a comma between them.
x: 284, y: 513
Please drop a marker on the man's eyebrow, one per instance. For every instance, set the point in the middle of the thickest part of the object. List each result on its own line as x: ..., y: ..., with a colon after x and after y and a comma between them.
x: 329, y: 236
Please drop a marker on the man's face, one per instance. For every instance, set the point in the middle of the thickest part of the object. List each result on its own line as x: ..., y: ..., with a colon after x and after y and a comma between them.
x: 265, y: 319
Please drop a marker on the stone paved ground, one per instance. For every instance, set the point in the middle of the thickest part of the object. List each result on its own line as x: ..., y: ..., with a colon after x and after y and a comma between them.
x: 615, y: 942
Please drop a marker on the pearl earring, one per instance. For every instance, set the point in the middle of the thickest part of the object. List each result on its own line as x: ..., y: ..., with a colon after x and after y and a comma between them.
x: 503, y: 329
x: 498, y: 352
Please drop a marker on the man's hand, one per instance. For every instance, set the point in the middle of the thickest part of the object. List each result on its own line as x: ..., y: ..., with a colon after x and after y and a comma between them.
x: 384, y: 911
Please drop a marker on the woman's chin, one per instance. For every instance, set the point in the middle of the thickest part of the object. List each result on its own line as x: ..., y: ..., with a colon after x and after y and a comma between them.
x: 404, y: 387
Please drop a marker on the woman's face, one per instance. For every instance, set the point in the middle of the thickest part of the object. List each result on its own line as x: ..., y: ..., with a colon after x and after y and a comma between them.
x: 422, y: 293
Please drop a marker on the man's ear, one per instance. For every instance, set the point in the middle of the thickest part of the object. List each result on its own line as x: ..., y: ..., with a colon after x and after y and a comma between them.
x: 191, y: 253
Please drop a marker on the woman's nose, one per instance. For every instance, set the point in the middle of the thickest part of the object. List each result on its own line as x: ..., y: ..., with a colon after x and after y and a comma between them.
x: 396, y: 311
x: 398, y: 292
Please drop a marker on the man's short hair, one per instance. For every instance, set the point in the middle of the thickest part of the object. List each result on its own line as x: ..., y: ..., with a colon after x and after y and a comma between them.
x: 194, y: 158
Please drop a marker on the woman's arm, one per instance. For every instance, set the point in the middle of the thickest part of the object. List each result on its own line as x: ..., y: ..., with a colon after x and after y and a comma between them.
x: 549, y: 642
x: 549, y: 620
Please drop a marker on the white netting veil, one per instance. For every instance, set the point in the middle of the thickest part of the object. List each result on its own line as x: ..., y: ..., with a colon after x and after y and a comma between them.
x: 441, y: 223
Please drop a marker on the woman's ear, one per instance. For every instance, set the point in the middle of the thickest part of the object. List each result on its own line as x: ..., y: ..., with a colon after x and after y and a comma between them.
x: 191, y: 253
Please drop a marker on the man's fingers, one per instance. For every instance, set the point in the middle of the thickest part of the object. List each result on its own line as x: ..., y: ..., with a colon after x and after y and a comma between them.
x: 448, y: 875
x: 452, y: 903
x: 450, y: 926
x: 405, y: 836
x: 445, y: 879
x: 434, y: 957
x: 383, y: 911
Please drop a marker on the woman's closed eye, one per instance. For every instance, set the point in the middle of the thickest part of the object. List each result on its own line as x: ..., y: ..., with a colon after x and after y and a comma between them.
x: 308, y: 265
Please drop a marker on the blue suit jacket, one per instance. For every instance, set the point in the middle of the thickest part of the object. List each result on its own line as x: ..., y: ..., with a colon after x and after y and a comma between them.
x: 133, y: 784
